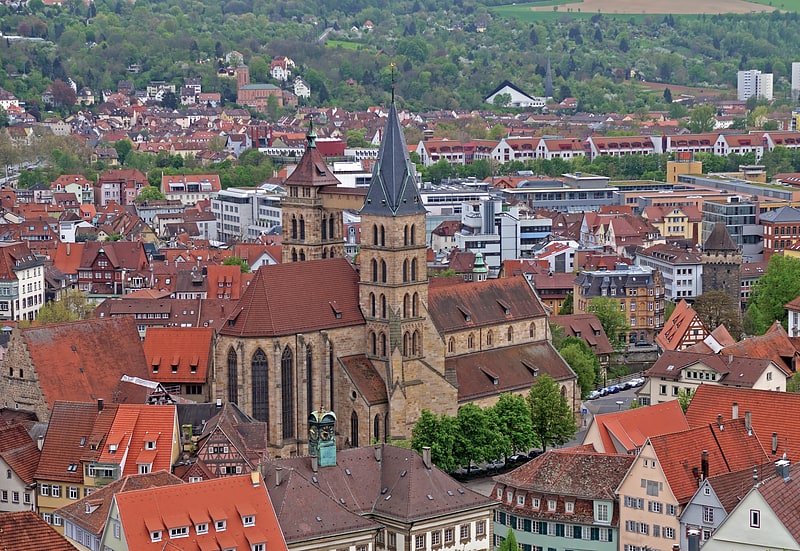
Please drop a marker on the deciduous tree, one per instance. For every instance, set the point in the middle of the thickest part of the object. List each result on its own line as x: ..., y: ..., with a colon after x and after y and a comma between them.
x: 551, y: 414
x: 436, y: 432
x: 779, y: 285
x: 717, y: 308
x: 585, y: 364
x: 513, y: 420
x: 611, y: 317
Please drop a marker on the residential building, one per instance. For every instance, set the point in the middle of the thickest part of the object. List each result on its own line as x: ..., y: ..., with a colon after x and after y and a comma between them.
x: 618, y: 146
x: 553, y: 288
x: 230, y: 513
x: 587, y: 328
x: 119, y: 185
x: 85, y: 519
x: 781, y: 229
x: 517, y: 98
x: 22, y: 284
x: 106, y: 267
x: 766, y: 516
x: 229, y: 442
x: 562, y: 499
x: 179, y: 359
x: 681, y: 269
x: 25, y: 531
x: 71, y: 361
x: 625, y: 432
x: 676, y: 222
x: 666, y: 473
x: 750, y: 272
x: 19, y: 456
x: 384, y: 497
x: 793, y: 310
x: 190, y: 188
x: 639, y: 291
x: 683, y: 329
x: 245, y: 214
x: 753, y: 83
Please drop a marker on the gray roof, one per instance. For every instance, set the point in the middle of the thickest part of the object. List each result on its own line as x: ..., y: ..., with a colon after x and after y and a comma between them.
x: 781, y: 215
x: 614, y: 282
x: 720, y: 239
x: 393, y: 190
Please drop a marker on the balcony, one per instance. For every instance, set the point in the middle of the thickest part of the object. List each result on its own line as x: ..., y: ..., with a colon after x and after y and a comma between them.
x: 102, y: 474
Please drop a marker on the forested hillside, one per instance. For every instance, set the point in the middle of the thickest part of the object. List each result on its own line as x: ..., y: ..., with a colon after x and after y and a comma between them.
x: 448, y: 54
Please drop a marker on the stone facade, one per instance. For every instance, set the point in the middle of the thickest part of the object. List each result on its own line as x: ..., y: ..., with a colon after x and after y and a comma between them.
x: 19, y: 383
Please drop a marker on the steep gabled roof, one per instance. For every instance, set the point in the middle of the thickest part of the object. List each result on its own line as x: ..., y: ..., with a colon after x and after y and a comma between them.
x: 19, y: 451
x: 771, y: 412
x: 278, y: 301
x: 586, y: 327
x: 182, y: 354
x: 134, y: 425
x: 631, y: 428
x: 27, y: 531
x: 783, y: 497
x: 720, y: 239
x: 730, y: 446
x: 683, y: 320
x: 393, y: 190
x: 312, y: 170
x: 366, y: 378
x: 483, y: 304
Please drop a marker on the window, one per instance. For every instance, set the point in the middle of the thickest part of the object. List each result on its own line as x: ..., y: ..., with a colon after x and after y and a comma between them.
x: 181, y: 532
x: 219, y: 525
x: 27, y: 498
x: 449, y: 533
x: 249, y: 520
x: 672, y: 510
x: 536, y: 502
x: 520, y: 500
x: 392, y: 540
x: 201, y: 528
x: 668, y: 533
x: 4, y: 496
x: 155, y: 535
x: 464, y: 531
x: 144, y: 468
x: 652, y: 488
x: 436, y: 538
x: 480, y: 528
x: 569, y: 506
x: 644, y: 528
x: 662, y: 389
x: 708, y: 515
x: 655, y: 507
x: 72, y: 492
x: 55, y: 490
x: 755, y: 518
x: 58, y: 520
x: 419, y: 541
x: 601, y: 512
x: 551, y: 504
x: 258, y: 547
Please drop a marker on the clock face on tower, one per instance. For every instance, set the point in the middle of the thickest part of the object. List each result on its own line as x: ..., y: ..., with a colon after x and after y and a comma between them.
x: 325, y: 434
x: 312, y: 433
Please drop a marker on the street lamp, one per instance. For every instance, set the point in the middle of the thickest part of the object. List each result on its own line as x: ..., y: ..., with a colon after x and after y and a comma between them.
x: 619, y: 404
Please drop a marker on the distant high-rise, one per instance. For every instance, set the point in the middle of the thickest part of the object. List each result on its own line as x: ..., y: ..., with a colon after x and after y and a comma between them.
x: 795, y: 80
x: 548, y: 81
x: 754, y: 83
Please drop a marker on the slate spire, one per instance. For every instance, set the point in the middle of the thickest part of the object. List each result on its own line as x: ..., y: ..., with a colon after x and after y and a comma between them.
x: 393, y: 190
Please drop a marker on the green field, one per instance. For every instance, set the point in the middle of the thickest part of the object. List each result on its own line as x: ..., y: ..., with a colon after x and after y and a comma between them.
x: 346, y: 44
x: 783, y: 5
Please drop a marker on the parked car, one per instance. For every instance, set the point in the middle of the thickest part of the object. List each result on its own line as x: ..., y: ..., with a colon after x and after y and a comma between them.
x: 613, y: 389
x: 594, y: 395
x: 533, y: 454
x: 496, y: 465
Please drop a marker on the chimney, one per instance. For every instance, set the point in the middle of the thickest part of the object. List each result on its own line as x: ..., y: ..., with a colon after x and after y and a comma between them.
x: 99, y: 405
x: 719, y: 420
x: 255, y: 478
x: 748, y: 422
x: 735, y: 412
x: 730, y: 359
x: 378, y: 452
x: 278, y: 476
x: 219, y: 402
x: 774, y: 443
x: 782, y: 469
x: 755, y: 475
x: 314, y: 463
x: 426, y: 456
x: 704, y: 464
x: 693, y: 537
x: 40, y: 442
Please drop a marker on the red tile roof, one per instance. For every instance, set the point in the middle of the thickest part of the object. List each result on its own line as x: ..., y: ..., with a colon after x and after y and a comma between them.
x: 19, y: 451
x: 775, y: 345
x: 675, y: 332
x: 182, y: 354
x: 84, y: 360
x: 186, y: 505
x: 783, y: 497
x: 730, y: 447
x: 731, y: 370
x: 772, y: 412
x: 27, y: 531
x: 483, y: 304
x: 366, y: 378
x: 277, y: 302
x: 586, y: 327
x: 630, y: 429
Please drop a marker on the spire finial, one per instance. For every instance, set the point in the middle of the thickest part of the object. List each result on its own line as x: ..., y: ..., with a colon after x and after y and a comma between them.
x: 393, y: 65
x: 311, y: 137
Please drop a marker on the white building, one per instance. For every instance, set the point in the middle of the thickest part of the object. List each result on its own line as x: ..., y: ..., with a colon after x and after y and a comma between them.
x: 245, y: 214
x: 21, y: 282
x: 795, y: 80
x: 754, y: 83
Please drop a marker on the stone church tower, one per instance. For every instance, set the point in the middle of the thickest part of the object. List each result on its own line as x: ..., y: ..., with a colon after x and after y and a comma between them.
x: 312, y: 229
x: 722, y: 263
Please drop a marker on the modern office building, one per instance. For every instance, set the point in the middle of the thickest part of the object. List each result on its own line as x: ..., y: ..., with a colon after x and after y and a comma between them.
x: 754, y: 83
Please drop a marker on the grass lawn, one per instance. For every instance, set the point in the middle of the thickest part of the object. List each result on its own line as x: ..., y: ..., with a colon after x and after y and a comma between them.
x: 783, y: 5
x: 346, y: 44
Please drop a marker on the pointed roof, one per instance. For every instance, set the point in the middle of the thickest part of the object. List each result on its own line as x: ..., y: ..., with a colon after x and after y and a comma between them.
x: 312, y: 170
x: 626, y: 431
x: 720, y: 239
x: 393, y: 190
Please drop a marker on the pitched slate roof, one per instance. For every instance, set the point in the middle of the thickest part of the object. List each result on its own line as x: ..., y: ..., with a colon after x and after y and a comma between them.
x: 631, y: 428
x: 182, y: 354
x: 730, y: 447
x: 393, y: 190
x: 27, y: 531
x: 366, y: 378
x: 567, y: 473
x: 76, y: 433
x: 720, y: 239
x: 772, y: 412
x: 783, y: 497
x: 586, y: 327
x: 185, y: 505
x: 507, y: 369
x: 84, y: 360
x: 19, y: 451
x: 311, y: 170
x: 483, y: 304
x: 358, y: 480
x: 278, y: 301
x: 90, y: 513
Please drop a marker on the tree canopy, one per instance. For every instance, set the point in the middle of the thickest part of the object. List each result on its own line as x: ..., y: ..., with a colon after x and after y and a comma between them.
x: 779, y: 285
x: 611, y: 318
x: 717, y: 308
x: 237, y: 261
x: 551, y: 414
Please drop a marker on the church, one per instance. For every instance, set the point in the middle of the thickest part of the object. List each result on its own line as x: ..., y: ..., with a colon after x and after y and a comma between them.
x: 375, y: 342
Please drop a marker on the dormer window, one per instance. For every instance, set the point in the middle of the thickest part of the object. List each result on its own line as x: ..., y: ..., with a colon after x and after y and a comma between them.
x: 201, y: 528
x: 249, y: 520
x: 155, y: 535
x: 112, y: 448
x: 150, y: 445
x: 219, y: 525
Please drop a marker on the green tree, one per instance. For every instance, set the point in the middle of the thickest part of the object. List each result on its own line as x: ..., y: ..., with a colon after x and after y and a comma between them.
x: 357, y: 138
x: 717, y: 308
x: 566, y: 307
x: 473, y: 436
x: 685, y: 396
x: 611, y: 318
x: 702, y: 119
x: 150, y: 193
x: 509, y: 543
x: 123, y: 148
x: 667, y: 95
x: 585, y: 365
x: 73, y: 306
x: 237, y: 261
x: 513, y: 420
x: 551, y: 414
x: 502, y: 100
x: 438, y: 434
x: 779, y: 285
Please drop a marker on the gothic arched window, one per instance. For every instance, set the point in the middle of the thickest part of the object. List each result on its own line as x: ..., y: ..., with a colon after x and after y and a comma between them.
x: 233, y: 376
x: 287, y: 393
x: 260, y: 386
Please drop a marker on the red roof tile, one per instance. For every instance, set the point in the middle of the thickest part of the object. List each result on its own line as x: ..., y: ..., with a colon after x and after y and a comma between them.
x: 27, y: 531
x: 676, y: 332
x: 630, y: 429
x: 182, y: 354
x: 277, y: 302
x: 366, y: 378
x: 19, y: 451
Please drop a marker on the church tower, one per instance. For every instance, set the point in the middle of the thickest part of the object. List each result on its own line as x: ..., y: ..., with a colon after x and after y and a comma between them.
x: 393, y: 281
x: 311, y: 230
x: 722, y: 263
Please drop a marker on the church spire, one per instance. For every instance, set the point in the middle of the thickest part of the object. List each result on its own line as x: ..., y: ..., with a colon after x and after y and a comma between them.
x: 393, y: 190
